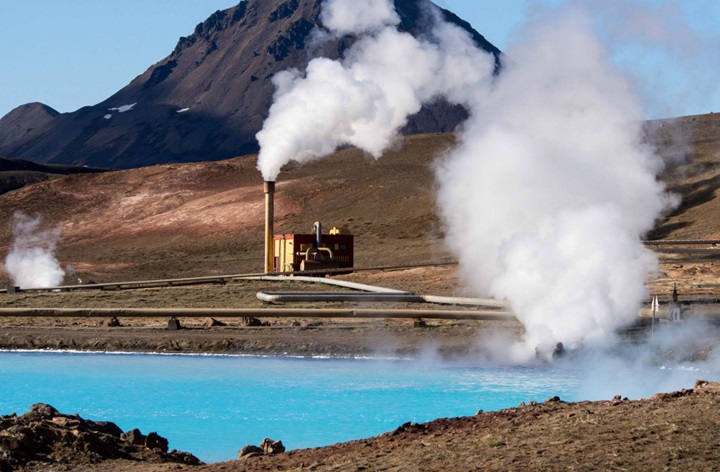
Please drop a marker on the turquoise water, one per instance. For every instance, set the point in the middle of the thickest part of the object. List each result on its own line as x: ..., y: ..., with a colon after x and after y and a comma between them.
x: 212, y: 406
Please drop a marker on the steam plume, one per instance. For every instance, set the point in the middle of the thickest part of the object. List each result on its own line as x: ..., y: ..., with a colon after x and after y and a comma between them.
x: 553, y: 188
x: 31, y: 262
x: 365, y: 98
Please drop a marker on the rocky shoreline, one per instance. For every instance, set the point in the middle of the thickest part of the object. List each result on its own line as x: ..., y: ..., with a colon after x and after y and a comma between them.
x: 43, y: 437
x: 308, y: 338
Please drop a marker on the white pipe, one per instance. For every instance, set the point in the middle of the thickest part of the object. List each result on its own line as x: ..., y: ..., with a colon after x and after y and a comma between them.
x: 321, y: 280
x: 440, y: 300
x: 279, y: 297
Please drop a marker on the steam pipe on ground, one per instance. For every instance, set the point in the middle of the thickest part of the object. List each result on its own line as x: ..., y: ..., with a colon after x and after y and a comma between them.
x: 279, y: 297
x: 399, y: 295
x: 255, y: 312
x: 221, y: 279
x: 339, y: 283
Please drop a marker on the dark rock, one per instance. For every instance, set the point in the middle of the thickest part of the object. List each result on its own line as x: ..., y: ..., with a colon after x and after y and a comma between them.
x: 554, y: 399
x: 174, y: 324
x: 250, y: 321
x: 45, y: 436
x: 107, y: 427
x: 99, y: 444
x: 43, y: 411
x: 11, y: 446
x: 134, y: 436
x: 113, y: 322
x: 155, y: 441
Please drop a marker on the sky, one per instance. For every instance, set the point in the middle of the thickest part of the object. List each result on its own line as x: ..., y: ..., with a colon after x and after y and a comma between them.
x: 76, y: 53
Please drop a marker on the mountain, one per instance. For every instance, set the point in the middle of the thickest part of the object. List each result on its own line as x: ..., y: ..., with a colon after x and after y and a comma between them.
x: 23, y: 120
x: 208, y: 98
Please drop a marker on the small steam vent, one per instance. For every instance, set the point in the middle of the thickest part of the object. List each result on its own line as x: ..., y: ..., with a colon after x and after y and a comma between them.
x: 313, y: 251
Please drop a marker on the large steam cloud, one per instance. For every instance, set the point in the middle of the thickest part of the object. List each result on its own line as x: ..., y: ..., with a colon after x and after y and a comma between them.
x: 365, y: 98
x: 31, y: 262
x: 554, y: 187
x: 551, y: 188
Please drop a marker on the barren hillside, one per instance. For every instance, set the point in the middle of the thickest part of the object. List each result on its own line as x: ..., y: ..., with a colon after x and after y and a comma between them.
x: 206, y: 218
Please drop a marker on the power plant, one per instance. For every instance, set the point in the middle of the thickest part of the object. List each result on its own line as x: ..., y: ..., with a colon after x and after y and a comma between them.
x: 293, y: 252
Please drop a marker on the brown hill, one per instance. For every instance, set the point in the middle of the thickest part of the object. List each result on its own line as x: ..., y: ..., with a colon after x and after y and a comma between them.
x: 208, y: 98
x: 206, y: 218
x: 696, y: 178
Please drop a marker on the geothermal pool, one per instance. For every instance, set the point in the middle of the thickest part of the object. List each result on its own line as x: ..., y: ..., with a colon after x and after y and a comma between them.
x: 212, y: 406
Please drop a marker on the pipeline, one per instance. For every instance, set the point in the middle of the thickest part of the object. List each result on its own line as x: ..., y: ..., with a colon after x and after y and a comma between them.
x: 223, y: 279
x: 382, y: 294
x: 256, y: 312
x: 339, y: 283
x: 280, y: 297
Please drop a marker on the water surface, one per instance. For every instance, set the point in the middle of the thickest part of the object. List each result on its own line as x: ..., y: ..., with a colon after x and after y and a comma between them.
x: 212, y: 406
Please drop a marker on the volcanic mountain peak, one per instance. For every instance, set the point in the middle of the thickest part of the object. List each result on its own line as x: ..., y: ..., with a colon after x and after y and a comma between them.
x: 210, y: 96
x: 23, y: 119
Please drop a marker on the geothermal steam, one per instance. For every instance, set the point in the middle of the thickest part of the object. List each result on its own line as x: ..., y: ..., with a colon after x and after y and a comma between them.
x: 366, y: 97
x: 550, y: 189
x: 31, y: 262
x: 554, y: 188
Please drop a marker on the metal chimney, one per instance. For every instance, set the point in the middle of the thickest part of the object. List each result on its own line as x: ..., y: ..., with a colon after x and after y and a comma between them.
x: 269, y: 188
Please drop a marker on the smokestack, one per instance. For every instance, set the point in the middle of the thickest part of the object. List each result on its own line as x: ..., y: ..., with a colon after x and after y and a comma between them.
x: 269, y: 188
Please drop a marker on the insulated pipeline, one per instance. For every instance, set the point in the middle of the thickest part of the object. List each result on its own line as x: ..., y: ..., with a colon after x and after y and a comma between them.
x: 256, y: 312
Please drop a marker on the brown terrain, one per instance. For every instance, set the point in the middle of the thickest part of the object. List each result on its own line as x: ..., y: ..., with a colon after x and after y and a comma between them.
x: 206, y: 219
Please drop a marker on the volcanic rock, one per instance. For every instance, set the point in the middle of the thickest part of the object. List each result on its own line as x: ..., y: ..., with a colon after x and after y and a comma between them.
x: 156, y: 442
x: 46, y: 436
x: 134, y: 436
x: 250, y: 321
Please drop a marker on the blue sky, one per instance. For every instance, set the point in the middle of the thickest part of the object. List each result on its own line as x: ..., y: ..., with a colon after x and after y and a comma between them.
x: 75, y: 53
